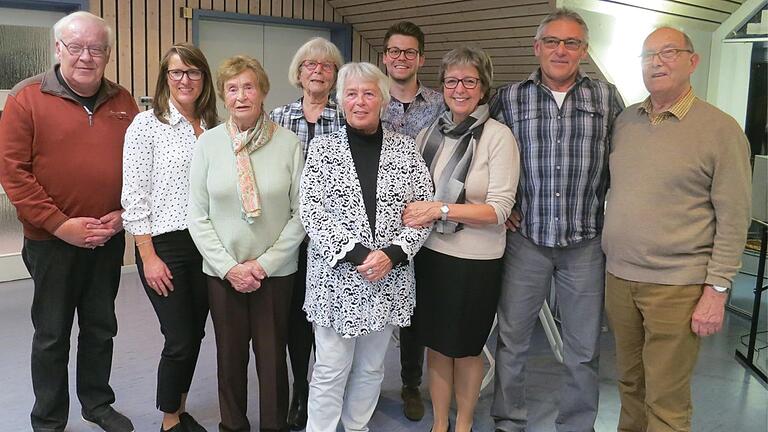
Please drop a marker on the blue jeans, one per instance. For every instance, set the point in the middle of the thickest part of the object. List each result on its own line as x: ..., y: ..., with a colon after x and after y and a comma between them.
x: 579, y: 274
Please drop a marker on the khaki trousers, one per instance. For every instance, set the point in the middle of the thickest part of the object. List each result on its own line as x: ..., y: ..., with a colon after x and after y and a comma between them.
x: 656, y: 352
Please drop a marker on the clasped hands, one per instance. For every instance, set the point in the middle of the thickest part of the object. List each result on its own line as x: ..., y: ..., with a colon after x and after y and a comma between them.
x: 88, y: 232
x: 246, y: 277
x: 375, y: 267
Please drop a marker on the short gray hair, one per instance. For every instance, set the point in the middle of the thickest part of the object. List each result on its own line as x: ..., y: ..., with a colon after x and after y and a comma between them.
x: 68, y: 20
x: 688, y: 41
x: 316, y: 48
x: 364, y: 72
x: 563, y: 14
x: 476, y: 57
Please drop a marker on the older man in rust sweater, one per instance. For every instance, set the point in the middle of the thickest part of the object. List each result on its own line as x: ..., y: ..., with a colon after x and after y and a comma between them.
x: 61, y: 143
x: 675, y: 228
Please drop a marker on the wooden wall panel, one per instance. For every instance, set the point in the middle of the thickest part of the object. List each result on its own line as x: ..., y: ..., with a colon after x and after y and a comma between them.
x: 145, y: 29
x: 505, y: 28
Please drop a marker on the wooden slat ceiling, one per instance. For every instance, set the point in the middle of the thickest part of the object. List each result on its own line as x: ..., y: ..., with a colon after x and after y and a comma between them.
x: 504, y: 28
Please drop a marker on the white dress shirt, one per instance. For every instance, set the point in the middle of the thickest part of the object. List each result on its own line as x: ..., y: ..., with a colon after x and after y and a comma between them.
x: 156, y: 161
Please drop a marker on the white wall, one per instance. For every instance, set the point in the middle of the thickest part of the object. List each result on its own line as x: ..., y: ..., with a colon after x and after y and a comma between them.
x: 616, y: 39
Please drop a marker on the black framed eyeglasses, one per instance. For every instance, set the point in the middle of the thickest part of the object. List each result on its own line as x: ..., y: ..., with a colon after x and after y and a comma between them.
x: 394, y: 52
x: 192, y: 74
x: 311, y: 65
x: 468, y: 82
x: 666, y: 55
x: 77, y: 50
x: 571, y: 44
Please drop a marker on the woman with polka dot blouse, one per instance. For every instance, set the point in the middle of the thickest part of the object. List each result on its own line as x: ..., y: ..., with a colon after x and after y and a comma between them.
x: 156, y: 161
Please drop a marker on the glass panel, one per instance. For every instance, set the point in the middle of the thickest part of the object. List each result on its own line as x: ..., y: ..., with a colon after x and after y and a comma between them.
x: 30, y: 49
x: 11, y: 236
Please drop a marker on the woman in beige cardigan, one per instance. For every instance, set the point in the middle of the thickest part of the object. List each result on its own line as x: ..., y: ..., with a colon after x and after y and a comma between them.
x: 474, y: 163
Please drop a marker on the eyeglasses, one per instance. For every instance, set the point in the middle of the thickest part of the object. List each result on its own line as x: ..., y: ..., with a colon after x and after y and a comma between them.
x: 311, y: 65
x: 666, y: 55
x: 77, y: 50
x: 394, y: 52
x: 192, y: 74
x: 571, y: 44
x: 469, y: 82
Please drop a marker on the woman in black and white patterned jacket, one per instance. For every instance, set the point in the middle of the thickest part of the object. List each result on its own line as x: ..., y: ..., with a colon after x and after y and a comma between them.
x: 360, y: 279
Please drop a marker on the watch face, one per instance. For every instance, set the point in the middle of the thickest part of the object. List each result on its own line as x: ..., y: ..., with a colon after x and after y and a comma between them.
x: 444, y: 209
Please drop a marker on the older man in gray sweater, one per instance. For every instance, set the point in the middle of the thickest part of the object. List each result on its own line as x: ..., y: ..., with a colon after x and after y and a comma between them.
x: 675, y: 228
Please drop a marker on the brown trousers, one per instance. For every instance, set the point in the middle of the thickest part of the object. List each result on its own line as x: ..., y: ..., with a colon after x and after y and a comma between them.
x: 656, y: 353
x: 239, y: 320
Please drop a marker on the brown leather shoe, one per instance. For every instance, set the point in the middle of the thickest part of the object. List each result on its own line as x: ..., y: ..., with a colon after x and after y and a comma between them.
x: 413, y: 406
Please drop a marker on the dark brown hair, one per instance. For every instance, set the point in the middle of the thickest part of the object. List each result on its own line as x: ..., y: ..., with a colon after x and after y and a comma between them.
x: 205, y: 105
x: 405, y: 28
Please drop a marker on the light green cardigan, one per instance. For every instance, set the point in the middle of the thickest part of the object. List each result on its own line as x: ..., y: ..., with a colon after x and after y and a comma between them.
x: 216, y: 222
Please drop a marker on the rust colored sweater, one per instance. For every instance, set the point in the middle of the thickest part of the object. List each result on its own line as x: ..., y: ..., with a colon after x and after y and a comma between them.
x: 58, y: 161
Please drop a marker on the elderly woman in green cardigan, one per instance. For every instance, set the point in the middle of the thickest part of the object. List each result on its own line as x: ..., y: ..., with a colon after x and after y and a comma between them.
x: 244, y: 201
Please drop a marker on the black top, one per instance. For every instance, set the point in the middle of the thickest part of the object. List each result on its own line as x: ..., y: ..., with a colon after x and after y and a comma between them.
x: 366, y: 152
x: 310, y: 131
x: 88, y: 102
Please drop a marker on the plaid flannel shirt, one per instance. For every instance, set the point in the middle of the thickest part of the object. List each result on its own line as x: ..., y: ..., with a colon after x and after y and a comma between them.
x: 563, y: 156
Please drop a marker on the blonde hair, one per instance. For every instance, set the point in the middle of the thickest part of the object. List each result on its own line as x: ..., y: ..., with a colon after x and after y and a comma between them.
x: 236, y: 65
x: 316, y: 48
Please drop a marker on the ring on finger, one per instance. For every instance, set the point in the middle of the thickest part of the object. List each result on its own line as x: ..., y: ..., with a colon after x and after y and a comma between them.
x: 369, y: 272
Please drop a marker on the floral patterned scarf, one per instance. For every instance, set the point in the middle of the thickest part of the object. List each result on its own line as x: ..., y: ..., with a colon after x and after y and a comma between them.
x: 243, y: 144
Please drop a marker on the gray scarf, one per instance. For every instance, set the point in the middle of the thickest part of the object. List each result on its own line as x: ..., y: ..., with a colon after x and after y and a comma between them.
x: 449, y: 186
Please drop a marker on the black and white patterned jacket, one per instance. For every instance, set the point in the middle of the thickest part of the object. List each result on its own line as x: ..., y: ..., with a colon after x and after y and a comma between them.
x: 333, y: 214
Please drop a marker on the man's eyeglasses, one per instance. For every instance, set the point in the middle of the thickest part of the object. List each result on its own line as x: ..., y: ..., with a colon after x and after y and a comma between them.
x: 666, y: 55
x: 77, y: 50
x: 311, y: 65
x: 192, y: 74
x: 571, y: 44
x: 394, y: 52
x: 468, y: 82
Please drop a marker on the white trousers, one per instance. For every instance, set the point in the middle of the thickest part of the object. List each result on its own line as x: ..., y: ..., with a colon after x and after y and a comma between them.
x: 346, y: 379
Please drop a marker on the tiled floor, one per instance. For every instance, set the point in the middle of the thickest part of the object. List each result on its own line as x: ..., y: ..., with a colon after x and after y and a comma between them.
x: 726, y: 396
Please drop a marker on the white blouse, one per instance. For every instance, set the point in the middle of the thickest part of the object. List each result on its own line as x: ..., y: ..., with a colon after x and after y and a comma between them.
x: 156, y: 161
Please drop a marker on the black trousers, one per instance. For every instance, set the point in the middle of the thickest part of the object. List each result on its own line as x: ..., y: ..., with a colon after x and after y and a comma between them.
x: 182, y: 315
x: 68, y: 279
x: 300, y: 336
x: 411, y: 357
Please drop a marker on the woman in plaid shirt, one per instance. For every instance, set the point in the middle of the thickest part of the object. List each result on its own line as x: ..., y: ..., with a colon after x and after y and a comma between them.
x: 313, y: 70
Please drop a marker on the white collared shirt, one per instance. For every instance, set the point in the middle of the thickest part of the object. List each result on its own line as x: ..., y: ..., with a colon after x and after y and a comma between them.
x: 156, y: 161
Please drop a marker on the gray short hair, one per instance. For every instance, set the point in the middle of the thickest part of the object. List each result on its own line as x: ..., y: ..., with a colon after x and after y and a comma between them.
x: 364, y: 72
x: 688, y: 41
x: 68, y: 20
x: 316, y: 48
x: 563, y: 14
x: 476, y: 57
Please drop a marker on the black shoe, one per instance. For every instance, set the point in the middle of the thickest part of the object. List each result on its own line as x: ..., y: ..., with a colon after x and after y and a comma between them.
x: 413, y: 406
x: 190, y: 423
x: 297, y: 413
x: 447, y: 430
x: 178, y: 427
x: 110, y: 421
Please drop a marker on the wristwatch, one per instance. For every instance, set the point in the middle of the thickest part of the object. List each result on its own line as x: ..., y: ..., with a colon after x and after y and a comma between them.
x: 444, y: 212
x: 720, y: 289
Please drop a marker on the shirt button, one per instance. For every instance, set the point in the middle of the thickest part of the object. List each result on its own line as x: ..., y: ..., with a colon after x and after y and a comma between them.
x: 557, y: 194
x: 559, y: 117
x: 558, y: 141
x: 557, y: 218
x: 557, y: 167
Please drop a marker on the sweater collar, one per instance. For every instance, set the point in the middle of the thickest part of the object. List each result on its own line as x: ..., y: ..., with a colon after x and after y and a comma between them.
x: 51, y: 85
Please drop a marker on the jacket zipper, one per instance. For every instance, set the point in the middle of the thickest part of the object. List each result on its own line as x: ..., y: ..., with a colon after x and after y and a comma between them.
x: 90, y: 116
